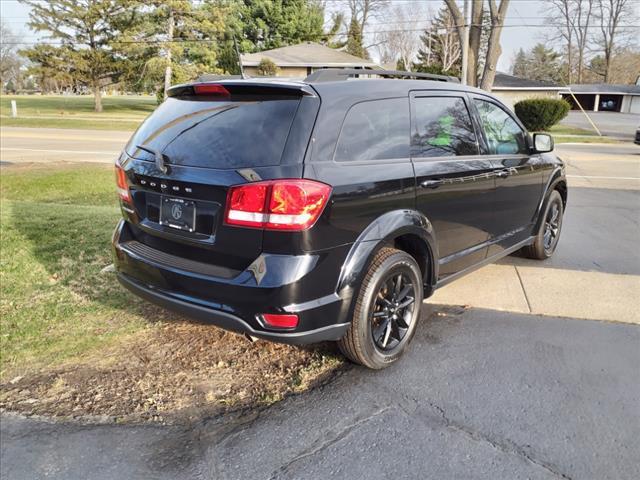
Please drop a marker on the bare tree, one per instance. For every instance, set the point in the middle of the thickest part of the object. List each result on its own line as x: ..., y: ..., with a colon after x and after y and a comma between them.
x: 399, y: 43
x: 9, y: 60
x: 497, y: 15
x: 562, y: 10
x: 475, y: 34
x: 363, y: 10
x: 584, y: 9
x: 612, y: 16
x: 573, y: 20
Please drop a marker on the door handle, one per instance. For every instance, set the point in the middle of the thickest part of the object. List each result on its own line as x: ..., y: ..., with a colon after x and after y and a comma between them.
x: 431, y: 183
x: 503, y: 174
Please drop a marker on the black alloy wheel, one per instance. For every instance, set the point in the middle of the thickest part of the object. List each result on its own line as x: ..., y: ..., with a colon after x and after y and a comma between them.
x: 387, y: 309
x: 552, y: 227
x: 393, y: 311
x: 546, y: 239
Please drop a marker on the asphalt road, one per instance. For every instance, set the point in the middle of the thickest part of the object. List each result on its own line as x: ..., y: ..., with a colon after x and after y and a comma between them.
x: 614, y: 124
x: 20, y: 145
x: 481, y: 394
x: 494, y: 391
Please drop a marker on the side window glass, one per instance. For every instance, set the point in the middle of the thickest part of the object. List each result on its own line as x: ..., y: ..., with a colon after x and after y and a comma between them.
x: 375, y: 130
x: 442, y: 128
x: 504, y: 135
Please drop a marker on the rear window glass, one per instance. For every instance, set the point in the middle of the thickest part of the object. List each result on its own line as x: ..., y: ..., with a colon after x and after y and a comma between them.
x: 442, y: 128
x: 375, y: 130
x: 217, y: 134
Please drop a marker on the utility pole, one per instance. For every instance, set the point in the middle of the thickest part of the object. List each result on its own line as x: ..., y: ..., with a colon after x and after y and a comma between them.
x: 167, y: 72
x: 465, y: 43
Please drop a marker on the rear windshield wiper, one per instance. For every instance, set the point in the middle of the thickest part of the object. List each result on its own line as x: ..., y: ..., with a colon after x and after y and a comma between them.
x: 158, y: 156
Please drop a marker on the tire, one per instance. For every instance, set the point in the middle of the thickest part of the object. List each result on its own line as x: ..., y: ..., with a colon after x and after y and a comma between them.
x: 378, y: 341
x: 542, y: 248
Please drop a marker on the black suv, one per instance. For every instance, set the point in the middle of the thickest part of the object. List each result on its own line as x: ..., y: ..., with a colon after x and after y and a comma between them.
x: 329, y: 208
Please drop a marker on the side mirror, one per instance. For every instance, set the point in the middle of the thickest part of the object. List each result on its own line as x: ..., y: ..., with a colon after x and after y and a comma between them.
x: 542, y: 142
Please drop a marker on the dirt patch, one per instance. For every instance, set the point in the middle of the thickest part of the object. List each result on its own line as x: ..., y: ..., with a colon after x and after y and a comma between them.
x: 171, y: 373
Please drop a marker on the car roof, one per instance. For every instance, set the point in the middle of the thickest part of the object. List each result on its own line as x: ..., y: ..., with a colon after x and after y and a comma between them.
x: 360, y: 88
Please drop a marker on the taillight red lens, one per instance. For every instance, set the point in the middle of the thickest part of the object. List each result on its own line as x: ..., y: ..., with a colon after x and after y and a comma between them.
x: 292, y: 205
x: 121, y: 182
x: 246, y: 205
x: 280, y: 320
x: 211, y: 89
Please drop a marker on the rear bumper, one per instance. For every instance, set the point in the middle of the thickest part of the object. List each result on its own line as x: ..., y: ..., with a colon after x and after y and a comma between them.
x: 228, y: 321
x: 304, y: 285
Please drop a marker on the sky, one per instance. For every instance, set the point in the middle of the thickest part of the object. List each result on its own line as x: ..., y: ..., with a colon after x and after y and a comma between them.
x: 514, y: 36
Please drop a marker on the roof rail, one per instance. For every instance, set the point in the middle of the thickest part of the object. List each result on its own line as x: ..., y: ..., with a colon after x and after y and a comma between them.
x: 336, y: 74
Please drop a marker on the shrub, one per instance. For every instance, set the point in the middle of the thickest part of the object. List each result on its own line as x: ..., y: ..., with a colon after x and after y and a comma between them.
x: 267, y: 68
x: 541, y: 113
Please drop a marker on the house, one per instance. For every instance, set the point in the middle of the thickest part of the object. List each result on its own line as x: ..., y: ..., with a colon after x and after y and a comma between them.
x: 303, y: 59
x: 512, y: 89
x: 603, y: 97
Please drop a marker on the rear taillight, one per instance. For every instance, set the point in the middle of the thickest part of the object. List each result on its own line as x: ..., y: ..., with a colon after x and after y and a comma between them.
x: 121, y: 182
x: 292, y: 205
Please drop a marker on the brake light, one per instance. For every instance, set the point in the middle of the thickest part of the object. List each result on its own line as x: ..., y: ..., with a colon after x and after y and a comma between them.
x: 211, y: 89
x: 275, y: 320
x: 122, y: 186
x: 292, y: 205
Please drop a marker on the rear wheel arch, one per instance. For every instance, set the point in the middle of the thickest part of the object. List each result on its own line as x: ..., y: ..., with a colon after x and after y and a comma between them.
x: 557, y: 182
x: 561, y: 187
x: 406, y: 230
x: 419, y: 249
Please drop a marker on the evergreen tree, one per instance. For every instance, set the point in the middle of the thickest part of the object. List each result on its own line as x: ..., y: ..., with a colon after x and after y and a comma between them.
x: 519, y: 68
x: 88, y: 30
x: 354, y: 40
x: 440, y: 50
x: 259, y: 25
x: 540, y: 63
x: 269, y: 24
x: 174, y: 42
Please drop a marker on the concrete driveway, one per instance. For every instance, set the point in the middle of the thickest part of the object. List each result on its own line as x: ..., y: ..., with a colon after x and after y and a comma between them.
x: 611, y: 124
x: 537, y: 378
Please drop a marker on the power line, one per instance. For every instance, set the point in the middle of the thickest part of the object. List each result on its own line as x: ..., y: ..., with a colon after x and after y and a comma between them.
x: 316, y: 37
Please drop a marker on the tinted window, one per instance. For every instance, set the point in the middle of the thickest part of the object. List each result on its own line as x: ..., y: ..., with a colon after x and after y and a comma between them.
x: 218, y: 134
x: 504, y: 135
x: 442, y: 128
x: 375, y: 130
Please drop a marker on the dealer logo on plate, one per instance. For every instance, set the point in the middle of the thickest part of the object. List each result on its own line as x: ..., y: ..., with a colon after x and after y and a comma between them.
x: 176, y: 211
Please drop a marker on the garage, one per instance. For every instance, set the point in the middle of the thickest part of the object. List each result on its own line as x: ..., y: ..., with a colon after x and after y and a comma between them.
x: 603, y: 97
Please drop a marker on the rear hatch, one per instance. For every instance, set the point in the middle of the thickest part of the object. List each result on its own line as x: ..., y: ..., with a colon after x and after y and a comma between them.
x: 182, y: 160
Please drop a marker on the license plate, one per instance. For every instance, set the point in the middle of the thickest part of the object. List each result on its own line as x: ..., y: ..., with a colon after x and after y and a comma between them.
x: 178, y: 213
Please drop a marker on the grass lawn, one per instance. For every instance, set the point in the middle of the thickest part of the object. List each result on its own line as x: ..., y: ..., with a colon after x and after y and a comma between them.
x: 54, y: 303
x: 564, y: 130
x: 76, y: 111
x: 564, y: 134
x: 73, y: 342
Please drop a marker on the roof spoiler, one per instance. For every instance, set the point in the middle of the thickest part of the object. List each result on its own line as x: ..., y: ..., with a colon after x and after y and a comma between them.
x: 224, y: 87
x: 337, y: 74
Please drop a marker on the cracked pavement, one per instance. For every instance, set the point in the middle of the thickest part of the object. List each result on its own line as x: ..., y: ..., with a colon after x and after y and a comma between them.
x: 481, y: 394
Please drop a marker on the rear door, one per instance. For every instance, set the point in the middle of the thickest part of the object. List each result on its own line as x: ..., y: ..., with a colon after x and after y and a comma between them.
x: 228, y: 135
x: 518, y: 173
x: 455, y: 184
